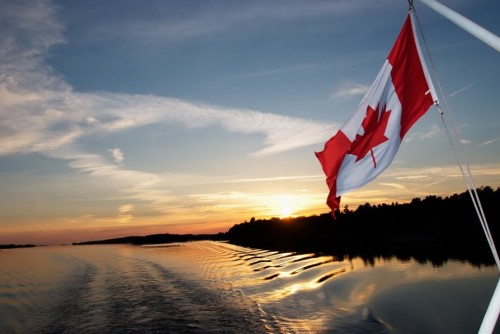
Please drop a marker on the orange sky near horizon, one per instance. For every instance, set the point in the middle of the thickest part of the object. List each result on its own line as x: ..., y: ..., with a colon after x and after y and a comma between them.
x: 49, y: 231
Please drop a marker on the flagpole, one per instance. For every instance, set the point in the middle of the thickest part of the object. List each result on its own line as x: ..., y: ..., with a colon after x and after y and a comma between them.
x: 491, y: 315
x: 474, y: 29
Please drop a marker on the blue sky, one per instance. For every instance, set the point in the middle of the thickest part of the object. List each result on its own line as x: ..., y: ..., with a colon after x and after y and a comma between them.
x: 139, y: 117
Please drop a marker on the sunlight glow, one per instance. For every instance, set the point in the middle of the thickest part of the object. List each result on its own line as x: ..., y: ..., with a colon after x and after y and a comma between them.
x: 286, y: 210
x: 286, y: 205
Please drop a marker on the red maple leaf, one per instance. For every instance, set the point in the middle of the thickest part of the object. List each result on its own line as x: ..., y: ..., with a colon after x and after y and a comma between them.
x: 374, y: 125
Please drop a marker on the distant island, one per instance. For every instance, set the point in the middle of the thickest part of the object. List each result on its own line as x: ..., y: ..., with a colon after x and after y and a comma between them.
x: 433, y: 228
x: 10, y: 246
x: 155, y: 239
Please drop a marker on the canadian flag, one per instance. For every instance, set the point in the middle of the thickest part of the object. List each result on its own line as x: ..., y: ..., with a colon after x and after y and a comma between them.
x: 368, y: 142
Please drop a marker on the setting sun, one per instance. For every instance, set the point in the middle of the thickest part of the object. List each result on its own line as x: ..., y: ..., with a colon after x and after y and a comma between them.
x: 286, y: 205
x: 286, y: 210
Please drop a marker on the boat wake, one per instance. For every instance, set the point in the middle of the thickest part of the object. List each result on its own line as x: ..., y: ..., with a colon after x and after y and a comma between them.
x: 216, y: 287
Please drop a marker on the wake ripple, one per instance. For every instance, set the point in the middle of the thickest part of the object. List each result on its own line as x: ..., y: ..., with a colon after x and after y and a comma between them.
x: 138, y: 295
x: 279, y: 283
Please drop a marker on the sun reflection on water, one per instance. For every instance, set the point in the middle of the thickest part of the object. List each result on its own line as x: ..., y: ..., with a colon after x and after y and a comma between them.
x: 316, y: 293
x: 214, y: 284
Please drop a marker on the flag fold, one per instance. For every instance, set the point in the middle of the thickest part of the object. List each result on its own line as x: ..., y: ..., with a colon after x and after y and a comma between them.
x: 367, y: 143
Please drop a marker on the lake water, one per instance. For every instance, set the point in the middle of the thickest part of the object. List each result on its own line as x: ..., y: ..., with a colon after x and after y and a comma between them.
x: 215, y: 287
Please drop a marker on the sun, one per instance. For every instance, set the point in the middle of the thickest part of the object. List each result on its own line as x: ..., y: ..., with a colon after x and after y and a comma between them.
x: 285, y: 205
x: 286, y: 210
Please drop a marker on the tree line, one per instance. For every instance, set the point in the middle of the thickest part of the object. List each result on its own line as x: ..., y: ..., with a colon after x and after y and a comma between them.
x: 433, y: 228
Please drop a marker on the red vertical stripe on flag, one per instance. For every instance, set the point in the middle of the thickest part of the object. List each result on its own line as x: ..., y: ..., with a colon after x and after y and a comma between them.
x: 408, y: 78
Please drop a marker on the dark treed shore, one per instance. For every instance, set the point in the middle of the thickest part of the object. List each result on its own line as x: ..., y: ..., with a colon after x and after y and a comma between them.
x: 433, y: 228
x: 156, y: 239
x: 9, y: 246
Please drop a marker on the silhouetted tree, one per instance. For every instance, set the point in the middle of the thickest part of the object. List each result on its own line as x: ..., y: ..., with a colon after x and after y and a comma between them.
x: 431, y: 228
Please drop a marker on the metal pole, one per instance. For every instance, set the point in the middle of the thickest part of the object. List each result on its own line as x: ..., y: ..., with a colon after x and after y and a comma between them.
x: 474, y: 29
x: 490, y: 318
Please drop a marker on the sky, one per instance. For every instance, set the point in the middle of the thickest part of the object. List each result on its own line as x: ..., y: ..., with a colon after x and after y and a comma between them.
x: 137, y: 117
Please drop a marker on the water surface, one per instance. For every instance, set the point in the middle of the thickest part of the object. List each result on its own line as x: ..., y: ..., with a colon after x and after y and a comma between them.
x: 201, y: 287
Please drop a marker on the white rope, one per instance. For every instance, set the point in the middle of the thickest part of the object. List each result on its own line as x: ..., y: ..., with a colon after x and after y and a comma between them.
x: 469, y: 180
x: 457, y: 147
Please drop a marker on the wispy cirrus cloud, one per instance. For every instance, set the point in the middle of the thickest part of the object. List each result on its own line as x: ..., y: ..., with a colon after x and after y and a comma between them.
x: 145, y: 187
x: 117, y: 155
x: 419, y: 182
x: 280, y: 71
x: 488, y: 142
x: 439, y: 173
x: 463, y: 89
x: 209, y: 18
x: 427, y: 134
x: 39, y: 111
x: 398, y: 186
x: 277, y: 178
x: 350, y: 90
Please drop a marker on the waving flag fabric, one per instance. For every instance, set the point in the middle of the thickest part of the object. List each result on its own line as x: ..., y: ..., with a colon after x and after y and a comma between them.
x: 368, y: 142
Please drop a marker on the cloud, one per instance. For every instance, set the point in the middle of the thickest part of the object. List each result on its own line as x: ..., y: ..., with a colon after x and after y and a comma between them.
x: 126, y: 208
x: 278, y: 178
x: 20, y: 40
x: 119, y: 112
x: 349, y: 90
x: 427, y: 134
x: 210, y: 18
x: 56, y: 122
x: 412, y: 177
x: 439, y: 173
x: 462, y: 89
x: 398, y: 186
x: 148, y: 188
x: 125, y: 213
x: 40, y: 112
x: 419, y: 182
x: 489, y: 141
x: 280, y: 71
x: 117, y: 155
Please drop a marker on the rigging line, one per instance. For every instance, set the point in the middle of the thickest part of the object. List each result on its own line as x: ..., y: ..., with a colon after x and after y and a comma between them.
x: 448, y: 109
x: 463, y: 163
x: 467, y: 176
x: 467, y: 180
x: 475, y: 199
x: 467, y: 166
x: 410, y: 5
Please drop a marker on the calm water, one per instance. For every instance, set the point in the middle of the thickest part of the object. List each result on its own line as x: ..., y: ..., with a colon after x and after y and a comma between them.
x: 216, y: 287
